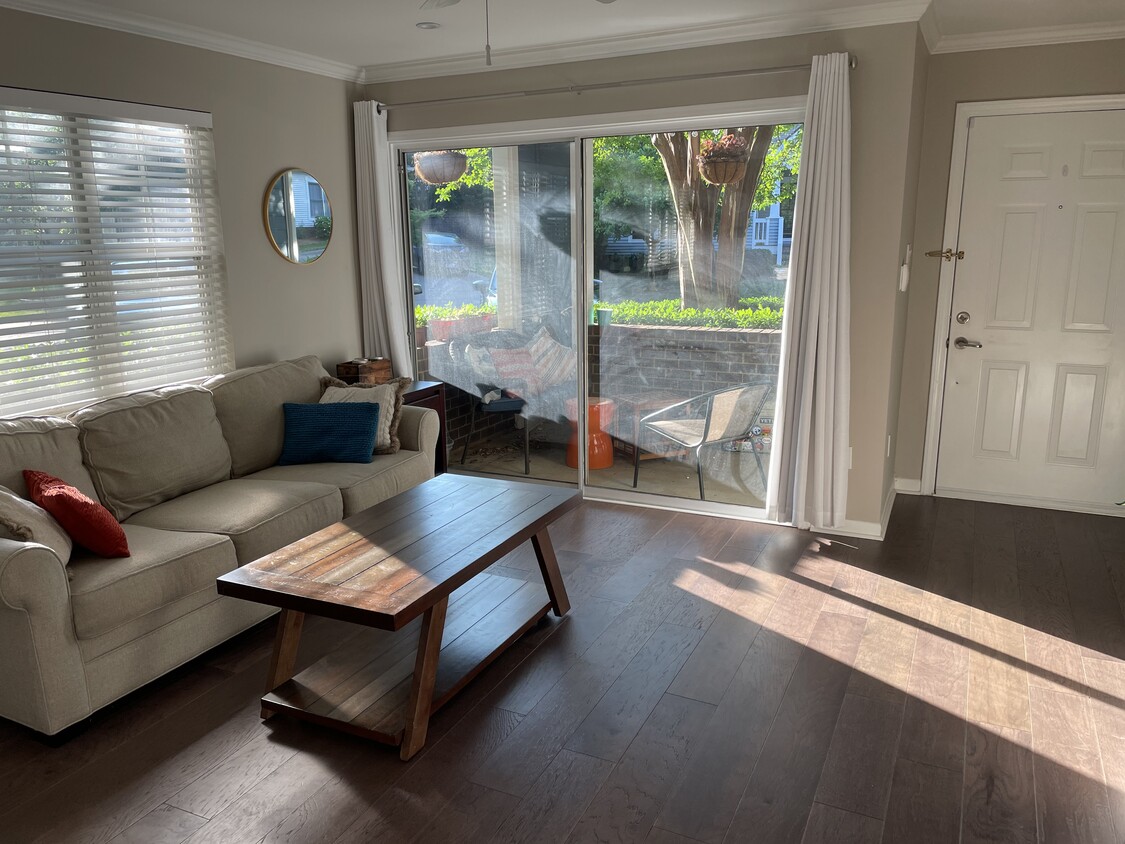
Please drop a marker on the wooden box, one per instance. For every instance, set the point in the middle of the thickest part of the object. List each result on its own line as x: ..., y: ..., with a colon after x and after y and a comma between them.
x: 365, y: 371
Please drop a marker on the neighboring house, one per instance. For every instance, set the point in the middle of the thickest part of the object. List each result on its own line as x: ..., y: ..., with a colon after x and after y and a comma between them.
x: 767, y: 231
x: 309, y: 201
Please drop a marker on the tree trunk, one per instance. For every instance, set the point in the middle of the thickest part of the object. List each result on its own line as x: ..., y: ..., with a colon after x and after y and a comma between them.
x: 707, y: 280
x: 738, y: 201
x: 695, y: 203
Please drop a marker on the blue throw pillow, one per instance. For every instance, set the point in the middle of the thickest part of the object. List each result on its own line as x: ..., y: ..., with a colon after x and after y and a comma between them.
x: 343, y: 432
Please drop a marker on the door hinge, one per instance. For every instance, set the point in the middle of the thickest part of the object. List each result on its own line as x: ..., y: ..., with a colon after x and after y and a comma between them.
x: 947, y: 255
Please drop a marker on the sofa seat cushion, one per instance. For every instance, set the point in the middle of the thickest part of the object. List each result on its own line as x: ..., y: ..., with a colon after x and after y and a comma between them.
x: 165, y: 567
x: 362, y: 485
x: 259, y: 516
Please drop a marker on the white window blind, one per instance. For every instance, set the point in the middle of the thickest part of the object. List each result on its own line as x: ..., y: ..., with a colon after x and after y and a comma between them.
x: 111, y: 256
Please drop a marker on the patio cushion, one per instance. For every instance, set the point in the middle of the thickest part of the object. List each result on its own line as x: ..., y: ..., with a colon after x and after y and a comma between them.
x: 148, y: 447
x: 555, y: 363
x: 361, y: 484
x: 259, y: 516
x: 684, y: 431
x: 165, y: 567
x: 248, y: 403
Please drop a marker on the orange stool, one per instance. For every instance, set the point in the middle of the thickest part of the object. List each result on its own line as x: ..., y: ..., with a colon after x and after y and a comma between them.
x: 599, y: 449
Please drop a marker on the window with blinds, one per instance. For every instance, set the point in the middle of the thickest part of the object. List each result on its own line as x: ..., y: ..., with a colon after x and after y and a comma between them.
x: 111, y: 255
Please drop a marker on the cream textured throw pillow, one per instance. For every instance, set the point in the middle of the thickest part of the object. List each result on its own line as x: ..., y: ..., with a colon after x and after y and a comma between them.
x: 389, y: 398
x: 28, y: 522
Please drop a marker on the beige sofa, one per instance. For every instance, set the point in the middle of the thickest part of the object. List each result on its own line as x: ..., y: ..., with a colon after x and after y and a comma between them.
x: 190, y: 473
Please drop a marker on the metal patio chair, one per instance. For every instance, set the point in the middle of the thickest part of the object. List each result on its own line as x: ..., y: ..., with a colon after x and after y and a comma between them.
x: 711, y: 419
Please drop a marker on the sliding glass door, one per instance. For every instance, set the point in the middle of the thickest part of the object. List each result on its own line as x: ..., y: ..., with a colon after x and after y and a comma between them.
x: 491, y: 234
x: 690, y: 236
x: 655, y: 367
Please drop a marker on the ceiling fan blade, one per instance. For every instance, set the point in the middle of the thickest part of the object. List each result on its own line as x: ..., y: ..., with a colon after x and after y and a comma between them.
x: 441, y: 4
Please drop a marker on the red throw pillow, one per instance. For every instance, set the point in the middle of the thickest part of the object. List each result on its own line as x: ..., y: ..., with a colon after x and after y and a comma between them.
x: 89, y: 523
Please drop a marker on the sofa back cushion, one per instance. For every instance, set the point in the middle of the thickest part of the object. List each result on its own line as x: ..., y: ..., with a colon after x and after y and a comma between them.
x: 149, y: 447
x: 249, y: 405
x: 43, y: 444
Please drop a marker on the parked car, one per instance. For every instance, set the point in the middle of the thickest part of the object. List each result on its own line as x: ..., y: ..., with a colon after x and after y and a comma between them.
x: 444, y: 249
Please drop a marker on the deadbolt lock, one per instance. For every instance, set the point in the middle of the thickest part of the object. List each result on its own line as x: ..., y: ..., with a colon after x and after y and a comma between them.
x: 963, y: 317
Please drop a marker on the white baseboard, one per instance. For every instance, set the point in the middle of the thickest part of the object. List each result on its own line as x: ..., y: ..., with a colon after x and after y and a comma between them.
x: 1030, y: 501
x: 908, y: 486
x: 867, y: 530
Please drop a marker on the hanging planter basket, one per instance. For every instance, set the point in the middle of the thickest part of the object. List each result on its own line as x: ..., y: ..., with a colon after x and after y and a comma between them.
x: 722, y: 171
x: 441, y: 166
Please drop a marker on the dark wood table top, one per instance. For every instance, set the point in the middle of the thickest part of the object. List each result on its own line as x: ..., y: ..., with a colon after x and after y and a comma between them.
x: 386, y: 565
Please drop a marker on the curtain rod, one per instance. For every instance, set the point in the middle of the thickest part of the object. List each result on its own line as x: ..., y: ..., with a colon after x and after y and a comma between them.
x: 602, y: 86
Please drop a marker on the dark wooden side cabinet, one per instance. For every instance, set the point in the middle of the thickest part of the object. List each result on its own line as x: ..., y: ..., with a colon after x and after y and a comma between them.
x: 431, y: 394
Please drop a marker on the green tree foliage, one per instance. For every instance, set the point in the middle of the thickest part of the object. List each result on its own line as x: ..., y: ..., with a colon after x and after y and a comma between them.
x: 477, y: 174
x: 639, y: 179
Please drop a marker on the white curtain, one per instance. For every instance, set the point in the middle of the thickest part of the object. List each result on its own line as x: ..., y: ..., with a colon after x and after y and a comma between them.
x: 382, y: 275
x: 809, y: 486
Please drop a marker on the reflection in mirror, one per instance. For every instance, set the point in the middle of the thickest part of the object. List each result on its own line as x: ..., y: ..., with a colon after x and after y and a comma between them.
x: 298, y: 217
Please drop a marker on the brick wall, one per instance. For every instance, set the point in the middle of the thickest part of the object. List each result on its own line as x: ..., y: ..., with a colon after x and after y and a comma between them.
x: 690, y: 361
x: 639, y: 358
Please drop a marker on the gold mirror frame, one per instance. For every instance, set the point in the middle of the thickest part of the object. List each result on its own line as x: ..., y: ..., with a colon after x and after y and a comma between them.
x: 289, y: 214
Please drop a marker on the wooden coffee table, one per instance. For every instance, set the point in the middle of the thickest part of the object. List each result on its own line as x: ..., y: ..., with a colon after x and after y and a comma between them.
x: 421, y: 553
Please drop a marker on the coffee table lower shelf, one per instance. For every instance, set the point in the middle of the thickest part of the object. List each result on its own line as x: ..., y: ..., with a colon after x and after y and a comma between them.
x: 363, y: 688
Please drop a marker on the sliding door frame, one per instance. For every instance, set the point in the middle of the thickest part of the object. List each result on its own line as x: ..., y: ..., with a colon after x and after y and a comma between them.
x: 579, y: 131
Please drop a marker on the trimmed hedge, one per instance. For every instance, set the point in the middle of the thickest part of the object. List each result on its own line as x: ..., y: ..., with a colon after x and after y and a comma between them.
x: 756, y: 312
x: 424, y: 314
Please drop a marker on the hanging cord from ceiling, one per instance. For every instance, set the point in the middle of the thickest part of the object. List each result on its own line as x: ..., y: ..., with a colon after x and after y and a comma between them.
x: 487, y: 38
x: 600, y: 86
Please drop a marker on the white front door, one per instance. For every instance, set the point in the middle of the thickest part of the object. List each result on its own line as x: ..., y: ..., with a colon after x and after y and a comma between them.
x: 1036, y: 413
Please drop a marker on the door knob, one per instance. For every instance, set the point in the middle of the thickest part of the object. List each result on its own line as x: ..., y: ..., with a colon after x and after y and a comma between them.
x: 962, y: 343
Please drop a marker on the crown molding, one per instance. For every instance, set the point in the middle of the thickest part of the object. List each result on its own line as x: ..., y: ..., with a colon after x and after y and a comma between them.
x: 78, y: 11
x: 704, y: 35
x: 1032, y: 37
x: 931, y: 33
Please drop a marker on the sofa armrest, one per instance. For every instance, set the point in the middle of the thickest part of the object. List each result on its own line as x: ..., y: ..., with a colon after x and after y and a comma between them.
x: 44, y: 679
x: 418, y: 429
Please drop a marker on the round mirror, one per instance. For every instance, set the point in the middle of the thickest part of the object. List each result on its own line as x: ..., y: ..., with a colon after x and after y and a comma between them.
x: 298, y: 217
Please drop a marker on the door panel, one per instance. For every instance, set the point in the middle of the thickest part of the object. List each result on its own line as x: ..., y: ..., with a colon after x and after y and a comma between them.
x: 1036, y: 413
x: 1076, y: 417
x: 1017, y: 266
x: 1000, y: 417
x: 1097, y: 235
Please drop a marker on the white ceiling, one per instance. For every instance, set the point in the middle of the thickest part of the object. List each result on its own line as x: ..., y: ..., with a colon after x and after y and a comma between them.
x: 377, y: 39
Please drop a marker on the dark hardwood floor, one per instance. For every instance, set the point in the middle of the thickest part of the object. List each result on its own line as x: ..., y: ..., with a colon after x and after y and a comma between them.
x: 715, y: 681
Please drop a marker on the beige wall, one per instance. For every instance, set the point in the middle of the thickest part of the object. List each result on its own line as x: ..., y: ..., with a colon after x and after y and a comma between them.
x: 266, y: 118
x: 883, y: 167
x: 1053, y: 71
x: 906, y: 235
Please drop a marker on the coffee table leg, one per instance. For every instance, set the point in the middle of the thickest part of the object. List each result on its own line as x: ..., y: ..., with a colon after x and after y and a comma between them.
x: 552, y: 577
x: 285, y: 645
x: 425, y: 675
